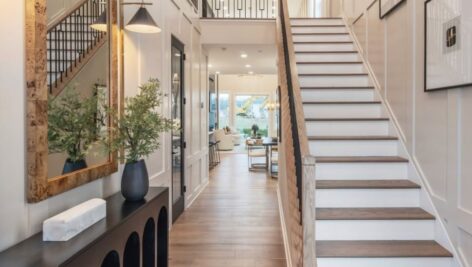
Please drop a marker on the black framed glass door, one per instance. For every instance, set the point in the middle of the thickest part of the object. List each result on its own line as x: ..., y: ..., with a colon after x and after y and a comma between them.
x: 178, y: 143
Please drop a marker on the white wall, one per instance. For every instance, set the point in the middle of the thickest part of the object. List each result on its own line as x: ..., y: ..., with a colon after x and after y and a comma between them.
x: 249, y: 84
x: 435, y: 126
x: 145, y: 56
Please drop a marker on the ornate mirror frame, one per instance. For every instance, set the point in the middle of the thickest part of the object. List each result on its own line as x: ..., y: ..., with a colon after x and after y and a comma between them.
x: 39, y: 186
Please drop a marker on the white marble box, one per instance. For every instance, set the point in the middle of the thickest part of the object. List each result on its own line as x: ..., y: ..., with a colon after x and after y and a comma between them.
x: 71, y: 222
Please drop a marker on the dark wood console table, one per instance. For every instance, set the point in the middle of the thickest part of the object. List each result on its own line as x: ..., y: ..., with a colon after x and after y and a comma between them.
x: 132, y: 235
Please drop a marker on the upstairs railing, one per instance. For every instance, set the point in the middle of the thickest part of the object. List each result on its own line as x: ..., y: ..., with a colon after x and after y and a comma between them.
x: 71, y: 41
x: 297, y: 167
x: 239, y: 9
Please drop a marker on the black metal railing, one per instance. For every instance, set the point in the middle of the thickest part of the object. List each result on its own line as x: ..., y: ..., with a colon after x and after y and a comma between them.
x: 293, y: 113
x: 70, y: 39
x: 240, y: 9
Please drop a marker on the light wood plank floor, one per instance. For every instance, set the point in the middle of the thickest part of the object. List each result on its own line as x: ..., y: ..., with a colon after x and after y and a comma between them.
x: 233, y: 223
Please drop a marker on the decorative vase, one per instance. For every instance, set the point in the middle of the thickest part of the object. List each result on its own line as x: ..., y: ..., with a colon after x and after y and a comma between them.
x: 72, y: 166
x: 135, y: 181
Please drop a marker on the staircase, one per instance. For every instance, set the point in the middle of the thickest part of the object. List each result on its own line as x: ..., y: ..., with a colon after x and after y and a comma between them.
x: 71, y: 43
x: 367, y: 209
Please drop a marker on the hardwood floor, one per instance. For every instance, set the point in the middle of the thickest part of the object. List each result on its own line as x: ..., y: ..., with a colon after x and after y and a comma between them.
x: 233, y: 223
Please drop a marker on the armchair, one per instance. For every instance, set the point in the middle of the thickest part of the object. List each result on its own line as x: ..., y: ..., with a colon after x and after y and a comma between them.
x: 225, y: 141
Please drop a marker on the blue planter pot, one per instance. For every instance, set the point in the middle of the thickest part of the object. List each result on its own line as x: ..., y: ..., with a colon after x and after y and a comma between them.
x: 72, y: 166
x: 135, y: 181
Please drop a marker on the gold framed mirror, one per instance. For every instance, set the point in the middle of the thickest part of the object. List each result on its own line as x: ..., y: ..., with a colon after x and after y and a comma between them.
x: 71, y: 81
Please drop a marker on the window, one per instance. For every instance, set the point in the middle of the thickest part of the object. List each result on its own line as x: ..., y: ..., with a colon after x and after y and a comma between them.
x: 251, y: 110
x: 223, y: 113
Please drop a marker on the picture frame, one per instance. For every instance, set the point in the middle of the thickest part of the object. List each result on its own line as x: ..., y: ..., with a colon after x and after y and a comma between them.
x: 447, y: 56
x: 388, y: 6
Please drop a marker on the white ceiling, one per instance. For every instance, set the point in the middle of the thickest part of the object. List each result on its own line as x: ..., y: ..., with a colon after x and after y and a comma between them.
x: 226, y: 59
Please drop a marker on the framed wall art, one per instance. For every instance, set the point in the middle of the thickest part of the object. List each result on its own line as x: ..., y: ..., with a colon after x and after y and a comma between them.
x: 387, y: 6
x: 448, y: 44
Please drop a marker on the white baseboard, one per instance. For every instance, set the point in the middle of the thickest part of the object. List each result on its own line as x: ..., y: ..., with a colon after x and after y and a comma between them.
x: 284, y: 229
x: 197, y: 193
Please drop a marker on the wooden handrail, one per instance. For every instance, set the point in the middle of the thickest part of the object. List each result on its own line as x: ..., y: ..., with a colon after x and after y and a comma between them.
x: 294, y: 151
x: 66, y: 14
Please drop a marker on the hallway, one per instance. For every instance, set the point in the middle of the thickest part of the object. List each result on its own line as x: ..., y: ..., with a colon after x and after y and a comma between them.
x: 233, y: 223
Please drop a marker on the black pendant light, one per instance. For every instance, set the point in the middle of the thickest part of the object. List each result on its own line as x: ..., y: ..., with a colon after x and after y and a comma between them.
x: 142, y: 22
x: 101, y: 23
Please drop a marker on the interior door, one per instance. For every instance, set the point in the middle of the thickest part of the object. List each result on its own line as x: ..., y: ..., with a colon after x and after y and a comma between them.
x: 178, y: 142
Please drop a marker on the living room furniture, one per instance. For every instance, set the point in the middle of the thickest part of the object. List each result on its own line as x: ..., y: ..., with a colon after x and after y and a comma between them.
x: 214, y: 154
x: 271, y: 150
x: 234, y: 134
x: 132, y: 233
x: 225, y: 141
x: 256, y: 150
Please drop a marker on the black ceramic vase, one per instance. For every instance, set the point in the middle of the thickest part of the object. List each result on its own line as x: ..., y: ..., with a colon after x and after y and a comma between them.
x: 72, y: 166
x: 135, y: 181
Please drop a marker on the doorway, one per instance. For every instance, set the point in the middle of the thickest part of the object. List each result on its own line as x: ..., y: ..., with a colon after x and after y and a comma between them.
x: 178, y: 141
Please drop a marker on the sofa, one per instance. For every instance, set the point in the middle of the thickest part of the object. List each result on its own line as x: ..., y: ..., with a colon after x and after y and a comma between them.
x: 225, y: 141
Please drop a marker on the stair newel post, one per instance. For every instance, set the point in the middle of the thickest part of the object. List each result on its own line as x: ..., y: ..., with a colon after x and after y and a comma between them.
x: 76, y: 47
x: 61, y: 51
x: 69, y: 45
x: 50, y: 52
x: 79, y: 25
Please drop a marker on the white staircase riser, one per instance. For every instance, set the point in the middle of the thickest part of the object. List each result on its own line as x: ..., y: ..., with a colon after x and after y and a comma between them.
x: 367, y: 198
x: 374, y: 230
x: 330, y: 68
x: 343, y: 128
x: 323, y: 57
x: 345, y: 80
x: 317, y: 22
x: 319, y: 29
x: 385, y: 262
x: 337, y: 95
x: 323, y: 47
x: 342, y: 110
x: 354, y: 147
x: 358, y: 171
x: 321, y: 38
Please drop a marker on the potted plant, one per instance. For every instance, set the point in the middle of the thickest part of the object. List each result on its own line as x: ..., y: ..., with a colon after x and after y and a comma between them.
x: 73, y: 126
x: 137, y: 131
x: 255, y: 129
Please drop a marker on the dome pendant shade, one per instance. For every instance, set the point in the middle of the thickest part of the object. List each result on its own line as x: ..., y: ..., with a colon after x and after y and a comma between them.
x: 142, y: 22
x: 101, y: 24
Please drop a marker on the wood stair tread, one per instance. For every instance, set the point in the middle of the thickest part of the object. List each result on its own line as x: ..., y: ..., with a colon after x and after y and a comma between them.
x: 380, y: 249
x: 327, y: 25
x: 341, y: 102
x: 333, y: 74
x: 337, y: 88
x: 352, y: 138
x: 372, y: 214
x: 328, y: 62
x: 327, y: 52
x: 323, y: 42
x: 310, y: 18
x: 366, y: 184
x: 347, y: 119
x: 320, y: 33
x: 361, y: 159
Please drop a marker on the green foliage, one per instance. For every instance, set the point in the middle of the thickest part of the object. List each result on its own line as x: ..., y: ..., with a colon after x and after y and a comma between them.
x: 248, y: 132
x: 137, y: 130
x: 73, y: 123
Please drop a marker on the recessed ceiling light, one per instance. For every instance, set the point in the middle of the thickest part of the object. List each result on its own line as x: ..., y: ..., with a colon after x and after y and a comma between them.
x: 248, y: 66
x: 209, y: 65
x: 243, y: 55
x: 217, y: 72
x: 251, y: 72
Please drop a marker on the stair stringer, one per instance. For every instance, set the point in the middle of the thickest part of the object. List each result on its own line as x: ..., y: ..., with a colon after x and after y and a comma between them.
x: 415, y: 171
